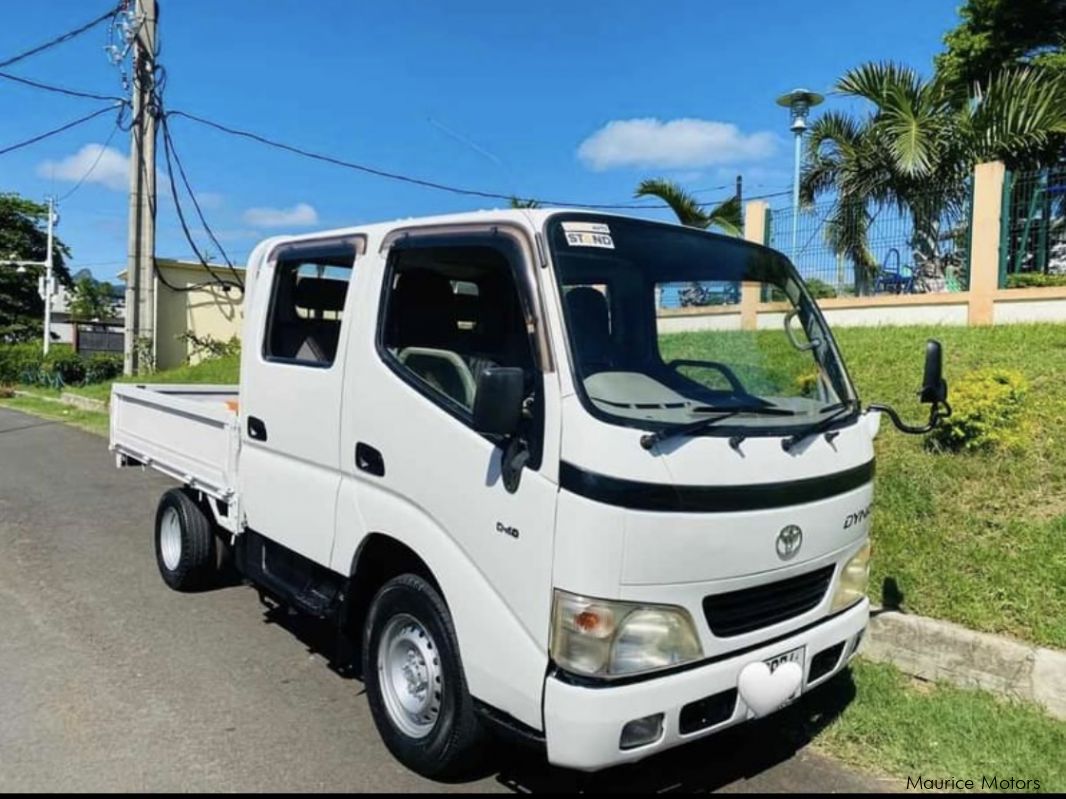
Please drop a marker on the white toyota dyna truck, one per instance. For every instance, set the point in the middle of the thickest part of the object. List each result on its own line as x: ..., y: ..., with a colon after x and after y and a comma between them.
x: 534, y: 502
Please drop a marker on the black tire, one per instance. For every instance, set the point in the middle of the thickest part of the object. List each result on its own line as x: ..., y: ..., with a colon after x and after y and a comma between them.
x: 196, y: 565
x: 451, y: 748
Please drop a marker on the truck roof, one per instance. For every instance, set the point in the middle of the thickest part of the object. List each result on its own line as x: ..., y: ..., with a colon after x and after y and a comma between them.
x: 536, y: 216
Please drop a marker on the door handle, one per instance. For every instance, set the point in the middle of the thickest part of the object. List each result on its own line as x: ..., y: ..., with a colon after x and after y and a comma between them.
x: 256, y: 429
x: 369, y: 460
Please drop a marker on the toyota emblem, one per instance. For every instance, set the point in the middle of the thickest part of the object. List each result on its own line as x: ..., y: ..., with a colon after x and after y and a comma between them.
x: 789, y: 541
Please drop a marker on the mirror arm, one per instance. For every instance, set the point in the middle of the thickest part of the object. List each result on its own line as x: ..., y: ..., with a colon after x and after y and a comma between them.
x: 514, y: 459
x: 937, y: 412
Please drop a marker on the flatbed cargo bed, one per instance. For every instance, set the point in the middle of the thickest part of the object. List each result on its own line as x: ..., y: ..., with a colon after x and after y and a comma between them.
x: 189, y: 432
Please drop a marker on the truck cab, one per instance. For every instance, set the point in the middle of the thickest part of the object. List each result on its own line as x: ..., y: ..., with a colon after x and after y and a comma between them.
x: 533, y: 502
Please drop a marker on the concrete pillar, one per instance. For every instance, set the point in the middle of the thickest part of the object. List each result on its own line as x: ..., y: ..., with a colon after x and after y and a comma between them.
x: 984, y: 240
x: 754, y: 230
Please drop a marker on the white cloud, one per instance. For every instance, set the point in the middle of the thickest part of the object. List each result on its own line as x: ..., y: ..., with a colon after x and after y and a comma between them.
x: 112, y: 169
x: 209, y: 199
x: 673, y: 144
x: 300, y: 215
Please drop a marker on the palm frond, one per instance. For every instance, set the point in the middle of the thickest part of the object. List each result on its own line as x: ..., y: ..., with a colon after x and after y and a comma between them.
x: 684, y: 205
x: 875, y: 79
x: 728, y: 216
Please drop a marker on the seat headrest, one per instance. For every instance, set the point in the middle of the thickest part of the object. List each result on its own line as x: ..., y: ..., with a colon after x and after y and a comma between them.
x: 588, y: 308
x: 320, y: 294
x: 424, y: 310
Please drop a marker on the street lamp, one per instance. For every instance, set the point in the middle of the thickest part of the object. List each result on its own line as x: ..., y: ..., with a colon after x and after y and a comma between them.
x: 47, y: 288
x: 798, y: 102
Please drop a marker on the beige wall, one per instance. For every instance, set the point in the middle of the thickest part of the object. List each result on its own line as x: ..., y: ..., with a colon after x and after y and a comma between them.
x: 206, y: 311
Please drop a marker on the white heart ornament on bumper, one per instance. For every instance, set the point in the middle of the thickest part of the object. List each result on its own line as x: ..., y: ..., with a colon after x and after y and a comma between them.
x: 763, y: 691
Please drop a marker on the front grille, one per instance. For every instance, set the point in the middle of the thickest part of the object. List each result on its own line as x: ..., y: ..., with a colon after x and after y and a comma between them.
x: 739, y: 612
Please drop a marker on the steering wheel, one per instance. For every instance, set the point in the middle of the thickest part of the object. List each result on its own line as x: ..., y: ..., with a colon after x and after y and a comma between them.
x: 725, y: 371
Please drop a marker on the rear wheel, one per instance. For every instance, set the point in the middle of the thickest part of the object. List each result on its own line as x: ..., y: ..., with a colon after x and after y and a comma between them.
x: 185, y: 547
x: 414, y: 680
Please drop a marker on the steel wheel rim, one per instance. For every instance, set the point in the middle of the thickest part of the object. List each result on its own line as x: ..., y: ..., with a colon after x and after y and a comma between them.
x: 170, y: 538
x: 410, y: 676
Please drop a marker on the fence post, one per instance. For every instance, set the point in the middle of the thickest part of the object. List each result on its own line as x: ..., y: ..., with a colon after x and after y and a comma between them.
x: 985, y: 240
x: 755, y: 215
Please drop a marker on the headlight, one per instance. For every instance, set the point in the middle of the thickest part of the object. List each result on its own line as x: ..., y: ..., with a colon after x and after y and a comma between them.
x: 854, y: 580
x: 604, y: 638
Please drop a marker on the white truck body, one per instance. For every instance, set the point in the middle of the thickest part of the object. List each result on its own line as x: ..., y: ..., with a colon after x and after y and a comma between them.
x: 291, y: 456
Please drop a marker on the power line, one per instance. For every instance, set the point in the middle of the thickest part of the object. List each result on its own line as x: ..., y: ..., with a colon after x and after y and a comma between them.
x: 48, y: 87
x: 65, y: 37
x: 430, y: 184
x: 54, y: 131
x: 169, y: 154
x: 96, y: 161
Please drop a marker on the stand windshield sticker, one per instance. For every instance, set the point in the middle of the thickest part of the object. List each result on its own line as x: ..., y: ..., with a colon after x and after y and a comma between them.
x: 588, y: 234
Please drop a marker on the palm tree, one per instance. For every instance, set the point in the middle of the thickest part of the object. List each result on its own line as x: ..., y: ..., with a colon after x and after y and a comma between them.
x: 518, y: 202
x: 916, y: 148
x: 726, y: 216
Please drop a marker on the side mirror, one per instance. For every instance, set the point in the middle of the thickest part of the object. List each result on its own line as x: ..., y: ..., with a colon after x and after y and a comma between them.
x: 934, y: 392
x: 934, y: 387
x: 498, y: 404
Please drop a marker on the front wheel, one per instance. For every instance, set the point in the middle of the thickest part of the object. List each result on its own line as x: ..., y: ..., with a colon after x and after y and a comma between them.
x: 414, y: 680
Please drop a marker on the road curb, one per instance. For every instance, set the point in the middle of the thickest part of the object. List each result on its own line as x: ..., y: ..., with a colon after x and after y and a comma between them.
x: 933, y: 650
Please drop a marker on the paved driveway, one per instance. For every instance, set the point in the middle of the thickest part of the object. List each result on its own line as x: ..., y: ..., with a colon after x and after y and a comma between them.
x: 109, y: 681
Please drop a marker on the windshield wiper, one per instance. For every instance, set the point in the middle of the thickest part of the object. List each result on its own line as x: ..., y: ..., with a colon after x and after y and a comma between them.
x: 649, y: 440
x: 839, y: 409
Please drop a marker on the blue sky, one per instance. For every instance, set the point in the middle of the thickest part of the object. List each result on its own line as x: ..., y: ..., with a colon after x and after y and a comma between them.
x: 569, y: 101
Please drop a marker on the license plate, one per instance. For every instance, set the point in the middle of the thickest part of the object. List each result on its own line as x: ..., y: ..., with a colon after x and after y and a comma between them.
x: 791, y: 656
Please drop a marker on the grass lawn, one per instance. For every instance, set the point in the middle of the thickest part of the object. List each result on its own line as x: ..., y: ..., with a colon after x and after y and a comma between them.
x: 877, y: 718
x: 977, y: 538
x: 218, y: 370
x: 93, y: 421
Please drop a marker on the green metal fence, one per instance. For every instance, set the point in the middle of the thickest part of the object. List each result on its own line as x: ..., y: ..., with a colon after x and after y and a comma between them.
x: 906, y: 258
x: 1033, y: 231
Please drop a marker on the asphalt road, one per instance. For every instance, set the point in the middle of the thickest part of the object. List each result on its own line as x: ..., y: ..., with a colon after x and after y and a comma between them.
x: 110, y: 681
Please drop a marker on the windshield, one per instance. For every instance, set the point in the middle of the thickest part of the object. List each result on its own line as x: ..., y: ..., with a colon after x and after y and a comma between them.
x: 654, y: 324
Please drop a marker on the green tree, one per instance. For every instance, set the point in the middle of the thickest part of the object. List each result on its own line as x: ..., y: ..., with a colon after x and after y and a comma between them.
x: 994, y: 35
x: 23, y: 237
x: 915, y: 147
x: 726, y: 216
x: 91, y: 300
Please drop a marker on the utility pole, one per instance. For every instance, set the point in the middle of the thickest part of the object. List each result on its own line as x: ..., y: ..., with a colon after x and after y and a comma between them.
x: 140, y: 265
x: 46, y: 284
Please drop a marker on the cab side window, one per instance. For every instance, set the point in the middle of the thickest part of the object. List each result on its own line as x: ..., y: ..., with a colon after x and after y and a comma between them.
x: 451, y: 313
x: 307, y: 305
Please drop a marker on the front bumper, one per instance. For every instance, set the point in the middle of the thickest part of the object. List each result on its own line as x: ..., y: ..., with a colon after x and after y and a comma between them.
x: 583, y: 725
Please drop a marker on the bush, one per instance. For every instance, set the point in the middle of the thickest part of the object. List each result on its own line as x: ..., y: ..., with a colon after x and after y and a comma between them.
x: 100, y: 368
x: 820, y: 290
x: 17, y: 360
x: 1028, y: 280
x: 986, y: 408
x: 63, y: 368
x: 24, y: 363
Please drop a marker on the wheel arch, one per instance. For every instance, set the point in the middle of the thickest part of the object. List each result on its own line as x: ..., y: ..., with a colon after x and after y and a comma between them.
x: 378, y: 558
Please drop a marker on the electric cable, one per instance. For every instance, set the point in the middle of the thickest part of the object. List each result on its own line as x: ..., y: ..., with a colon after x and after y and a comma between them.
x: 65, y: 37
x: 96, y: 161
x: 48, y: 87
x: 60, y: 129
